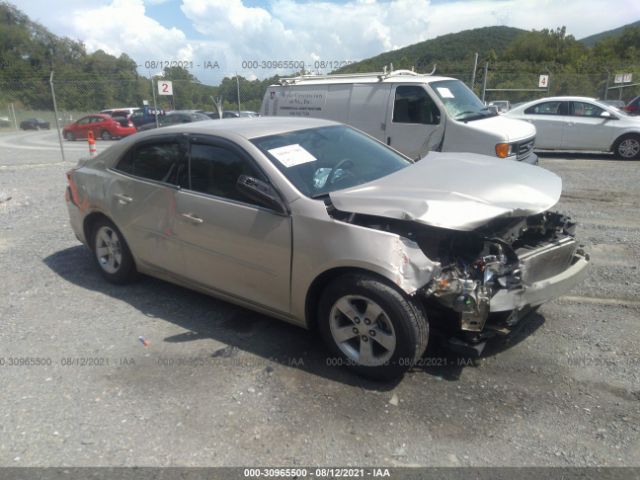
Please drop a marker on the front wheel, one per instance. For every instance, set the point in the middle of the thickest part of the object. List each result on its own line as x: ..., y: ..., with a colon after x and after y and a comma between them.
x: 372, y: 327
x: 105, y: 135
x: 628, y: 147
x: 112, y: 253
x: 70, y: 136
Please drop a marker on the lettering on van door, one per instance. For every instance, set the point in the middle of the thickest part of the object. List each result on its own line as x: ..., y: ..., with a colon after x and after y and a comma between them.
x: 302, y: 104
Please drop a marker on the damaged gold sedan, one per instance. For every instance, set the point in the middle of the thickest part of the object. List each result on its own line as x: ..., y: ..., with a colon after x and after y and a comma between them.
x: 318, y: 224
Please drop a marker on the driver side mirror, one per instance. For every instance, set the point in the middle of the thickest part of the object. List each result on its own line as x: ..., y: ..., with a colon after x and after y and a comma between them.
x: 261, y: 192
x: 608, y: 116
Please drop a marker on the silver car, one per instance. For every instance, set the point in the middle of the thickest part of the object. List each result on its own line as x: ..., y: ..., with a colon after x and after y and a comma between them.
x: 581, y: 124
x: 315, y: 223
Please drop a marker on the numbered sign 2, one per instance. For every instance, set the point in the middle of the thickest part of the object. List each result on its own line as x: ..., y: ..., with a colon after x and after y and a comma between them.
x: 165, y: 87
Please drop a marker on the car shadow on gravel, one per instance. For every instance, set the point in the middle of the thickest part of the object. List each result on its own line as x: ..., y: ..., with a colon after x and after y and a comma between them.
x: 446, y: 364
x: 578, y: 156
x: 241, y: 330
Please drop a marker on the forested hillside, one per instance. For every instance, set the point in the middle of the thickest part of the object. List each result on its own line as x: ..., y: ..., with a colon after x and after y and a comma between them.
x: 591, y: 40
x: 93, y: 81
x: 448, y: 51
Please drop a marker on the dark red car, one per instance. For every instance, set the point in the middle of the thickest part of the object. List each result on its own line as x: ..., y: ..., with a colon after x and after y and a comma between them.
x: 103, y: 126
x: 633, y: 107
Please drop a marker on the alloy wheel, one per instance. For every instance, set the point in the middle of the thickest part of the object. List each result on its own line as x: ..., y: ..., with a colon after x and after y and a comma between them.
x: 362, y: 330
x: 108, y: 249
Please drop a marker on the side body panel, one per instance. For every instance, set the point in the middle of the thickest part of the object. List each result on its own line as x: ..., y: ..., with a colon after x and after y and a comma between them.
x: 235, y: 248
x: 322, y: 244
x: 368, y: 108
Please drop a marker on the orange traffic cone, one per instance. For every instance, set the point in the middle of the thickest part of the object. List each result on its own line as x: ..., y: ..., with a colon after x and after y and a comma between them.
x: 92, y: 144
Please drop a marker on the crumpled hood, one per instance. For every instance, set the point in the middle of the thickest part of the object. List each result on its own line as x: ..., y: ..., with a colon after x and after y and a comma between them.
x: 459, y: 191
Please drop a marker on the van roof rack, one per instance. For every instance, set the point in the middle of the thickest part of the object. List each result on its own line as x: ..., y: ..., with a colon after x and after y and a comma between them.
x: 381, y: 75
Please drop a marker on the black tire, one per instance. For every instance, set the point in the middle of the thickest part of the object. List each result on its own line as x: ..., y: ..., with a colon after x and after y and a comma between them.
x: 627, y: 147
x: 401, y: 316
x: 70, y: 136
x: 116, y: 264
x: 105, y: 135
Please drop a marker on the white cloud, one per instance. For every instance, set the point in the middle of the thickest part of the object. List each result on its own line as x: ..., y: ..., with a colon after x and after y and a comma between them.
x: 123, y: 27
x: 310, y: 30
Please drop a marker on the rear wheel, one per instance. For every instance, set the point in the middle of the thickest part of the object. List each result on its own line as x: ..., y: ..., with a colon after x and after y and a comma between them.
x: 111, y: 253
x: 105, y: 135
x: 371, y: 327
x: 628, y: 147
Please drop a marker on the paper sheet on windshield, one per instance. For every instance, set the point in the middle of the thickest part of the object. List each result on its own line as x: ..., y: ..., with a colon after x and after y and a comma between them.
x: 445, y: 92
x: 292, y: 155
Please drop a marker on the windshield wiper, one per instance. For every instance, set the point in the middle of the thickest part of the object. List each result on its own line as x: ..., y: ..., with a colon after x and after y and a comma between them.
x: 320, y: 195
x: 475, y: 115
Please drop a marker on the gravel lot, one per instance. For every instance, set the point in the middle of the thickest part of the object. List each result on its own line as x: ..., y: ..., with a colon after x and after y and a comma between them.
x: 220, y: 385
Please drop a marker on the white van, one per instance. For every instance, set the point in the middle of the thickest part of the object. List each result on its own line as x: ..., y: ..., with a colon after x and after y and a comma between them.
x: 414, y: 113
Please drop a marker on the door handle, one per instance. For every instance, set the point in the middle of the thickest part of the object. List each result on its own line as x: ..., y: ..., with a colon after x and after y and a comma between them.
x: 193, y: 218
x: 123, y: 199
x: 388, y: 140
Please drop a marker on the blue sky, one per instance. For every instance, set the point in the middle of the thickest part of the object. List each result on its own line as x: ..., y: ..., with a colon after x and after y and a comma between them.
x: 236, y: 33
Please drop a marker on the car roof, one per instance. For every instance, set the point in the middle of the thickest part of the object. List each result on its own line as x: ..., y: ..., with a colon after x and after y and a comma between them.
x: 398, y: 76
x: 246, y: 127
x: 565, y: 98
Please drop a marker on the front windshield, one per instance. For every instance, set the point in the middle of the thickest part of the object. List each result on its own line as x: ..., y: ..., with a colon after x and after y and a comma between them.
x: 321, y: 160
x: 461, y: 103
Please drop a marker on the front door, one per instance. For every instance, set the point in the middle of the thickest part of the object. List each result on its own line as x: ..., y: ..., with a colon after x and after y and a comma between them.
x: 414, y: 124
x: 231, y: 244
x: 586, y: 129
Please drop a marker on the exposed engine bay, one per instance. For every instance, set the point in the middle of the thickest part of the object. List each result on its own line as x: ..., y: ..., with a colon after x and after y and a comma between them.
x: 477, y: 267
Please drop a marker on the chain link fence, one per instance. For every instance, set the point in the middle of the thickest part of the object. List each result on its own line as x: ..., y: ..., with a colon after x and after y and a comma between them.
x: 28, y: 98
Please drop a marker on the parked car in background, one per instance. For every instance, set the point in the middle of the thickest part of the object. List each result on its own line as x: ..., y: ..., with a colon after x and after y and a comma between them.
x: 232, y: 114
x: 5, y: 122
x: 501, y: 105
x: 145, y: 115
x: 619, y: 104
x: 175, y: 117
x: 318, y: 224
x: 34, y: 124
x: 241, y: 114
x: 119, y: 112
x: 581, y: 124
x: 102, y: 125
x: 633, y: 107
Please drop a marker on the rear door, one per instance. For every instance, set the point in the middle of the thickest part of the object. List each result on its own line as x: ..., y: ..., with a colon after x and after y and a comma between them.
x: 231, y: 243
x: 550, y: 119
x: 143, y: 200
x: 82, y: 126
x: 414, y: 123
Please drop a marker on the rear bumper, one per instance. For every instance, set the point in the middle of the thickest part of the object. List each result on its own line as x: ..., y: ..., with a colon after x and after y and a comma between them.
x: 75, y: 217
x: 543, y: 290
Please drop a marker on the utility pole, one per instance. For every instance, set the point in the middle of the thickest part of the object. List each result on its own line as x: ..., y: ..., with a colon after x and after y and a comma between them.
x: 238, y: 87
x: 55, y: 110
x: 484, y: 81
x: 473, y: 74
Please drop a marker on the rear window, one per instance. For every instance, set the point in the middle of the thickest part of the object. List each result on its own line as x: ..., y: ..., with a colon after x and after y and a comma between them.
x: 155, y: 161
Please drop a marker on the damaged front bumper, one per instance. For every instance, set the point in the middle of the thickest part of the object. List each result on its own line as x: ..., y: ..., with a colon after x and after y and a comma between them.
x: 543, y: 290
x: 516, y: 269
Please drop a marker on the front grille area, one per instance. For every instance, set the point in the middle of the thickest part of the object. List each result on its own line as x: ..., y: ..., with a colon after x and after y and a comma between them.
x: 547, y: 260
x: 523, y: 149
